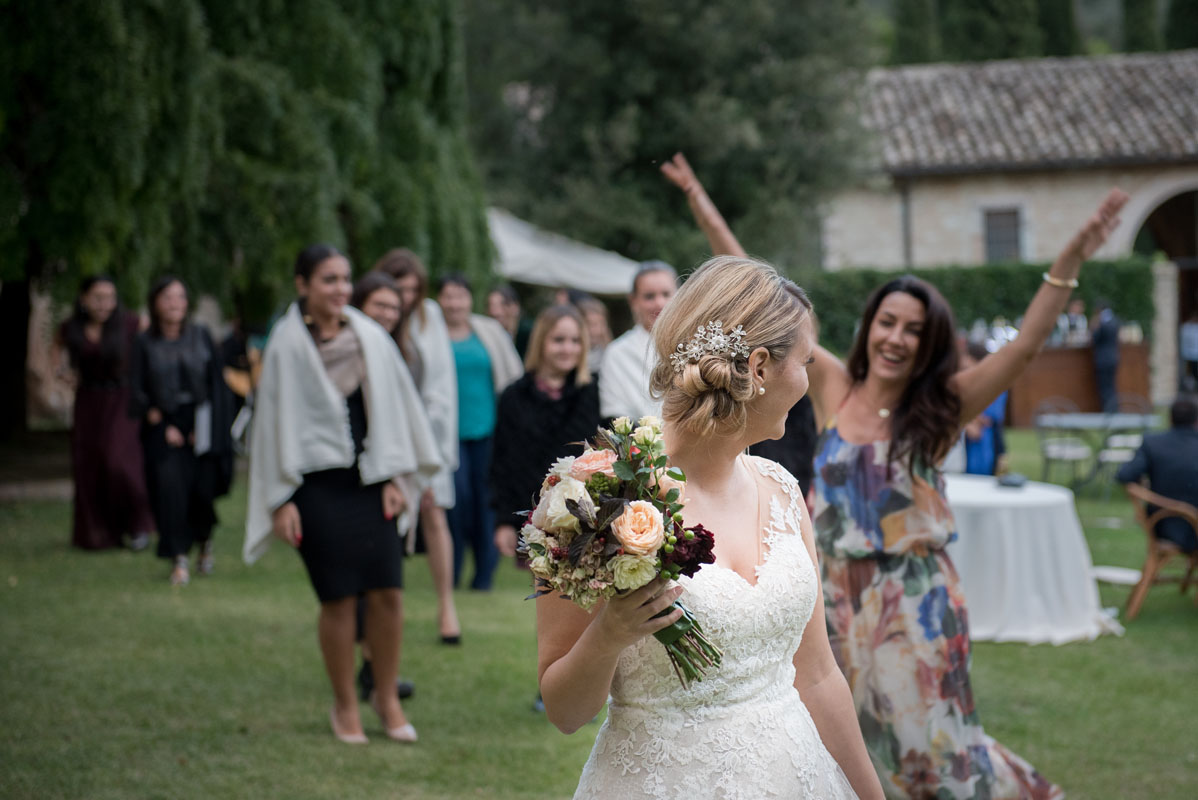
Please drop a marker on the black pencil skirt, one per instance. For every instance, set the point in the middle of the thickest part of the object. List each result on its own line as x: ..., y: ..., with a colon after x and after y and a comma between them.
x: 348, y: 546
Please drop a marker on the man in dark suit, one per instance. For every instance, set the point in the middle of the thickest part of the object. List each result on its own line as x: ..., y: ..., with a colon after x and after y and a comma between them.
x: 1104, y: 338
x: 1170, y: 460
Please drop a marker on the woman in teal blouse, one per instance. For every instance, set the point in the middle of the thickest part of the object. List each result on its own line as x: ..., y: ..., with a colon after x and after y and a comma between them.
x: 486, y: 362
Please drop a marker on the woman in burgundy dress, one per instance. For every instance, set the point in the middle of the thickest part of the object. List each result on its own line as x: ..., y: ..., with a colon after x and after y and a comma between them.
x: 110, y: 489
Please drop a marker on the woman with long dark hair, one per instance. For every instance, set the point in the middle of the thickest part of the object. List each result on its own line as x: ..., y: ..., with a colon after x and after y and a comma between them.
x: 181, y: 398
x: 424, y: 341
x: 339, y: 443
x: 895, y: 610
x: 106, y: 460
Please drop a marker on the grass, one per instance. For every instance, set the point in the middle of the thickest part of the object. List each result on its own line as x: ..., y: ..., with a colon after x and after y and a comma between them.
x: 115, y: 685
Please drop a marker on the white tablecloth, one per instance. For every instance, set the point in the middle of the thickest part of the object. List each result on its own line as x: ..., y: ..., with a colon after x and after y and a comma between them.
x: 1024, y: 563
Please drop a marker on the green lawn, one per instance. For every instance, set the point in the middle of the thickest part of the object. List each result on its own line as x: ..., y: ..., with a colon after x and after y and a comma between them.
x: 115, y: 685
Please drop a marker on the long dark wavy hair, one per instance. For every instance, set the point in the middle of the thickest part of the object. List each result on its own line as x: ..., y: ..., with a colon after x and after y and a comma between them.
x: 928, y: 417
x: 112, y: 332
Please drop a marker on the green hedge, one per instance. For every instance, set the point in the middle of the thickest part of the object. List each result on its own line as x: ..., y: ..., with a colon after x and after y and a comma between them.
x: 983, y: 291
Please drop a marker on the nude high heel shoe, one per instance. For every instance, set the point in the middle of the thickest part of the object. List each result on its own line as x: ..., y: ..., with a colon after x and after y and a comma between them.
x: 347, y: 738
x: 404, y: 733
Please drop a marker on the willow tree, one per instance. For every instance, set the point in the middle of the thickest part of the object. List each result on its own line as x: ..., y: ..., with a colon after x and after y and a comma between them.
x: 341, y: 122
x: 100, y: 153
x: 214, y: 138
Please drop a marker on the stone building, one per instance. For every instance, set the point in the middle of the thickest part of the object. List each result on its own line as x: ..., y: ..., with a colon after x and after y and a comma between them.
x: 1000, y: 161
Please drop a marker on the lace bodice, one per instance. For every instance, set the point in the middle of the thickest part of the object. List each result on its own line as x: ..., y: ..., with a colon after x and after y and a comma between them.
x: 742, y: 732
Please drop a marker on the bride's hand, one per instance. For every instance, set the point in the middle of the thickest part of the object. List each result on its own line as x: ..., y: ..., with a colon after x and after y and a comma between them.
x: 626, y: 619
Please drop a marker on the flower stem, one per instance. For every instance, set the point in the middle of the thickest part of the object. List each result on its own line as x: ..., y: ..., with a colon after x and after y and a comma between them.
x: 691, y: 653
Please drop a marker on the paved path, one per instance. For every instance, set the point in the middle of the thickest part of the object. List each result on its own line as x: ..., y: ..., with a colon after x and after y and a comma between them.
x: 17, y: 491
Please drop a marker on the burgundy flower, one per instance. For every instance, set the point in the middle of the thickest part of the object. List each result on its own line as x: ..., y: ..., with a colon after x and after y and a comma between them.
x: 691, y: 554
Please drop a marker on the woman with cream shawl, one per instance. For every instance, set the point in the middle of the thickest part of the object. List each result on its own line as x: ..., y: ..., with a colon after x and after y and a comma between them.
x: 339, y: 446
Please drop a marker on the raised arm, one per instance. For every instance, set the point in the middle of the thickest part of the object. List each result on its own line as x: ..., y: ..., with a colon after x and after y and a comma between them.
x: 829, y: 384
x: 719, y: 235
x: 830, y: 380
x: 980, y: 384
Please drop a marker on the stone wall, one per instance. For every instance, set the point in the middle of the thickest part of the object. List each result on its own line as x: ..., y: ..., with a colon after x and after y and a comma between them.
x: 1164, y: 333
x: 863, y: 226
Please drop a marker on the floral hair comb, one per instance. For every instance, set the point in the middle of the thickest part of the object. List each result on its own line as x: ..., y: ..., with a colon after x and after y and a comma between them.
x: 710, y: 339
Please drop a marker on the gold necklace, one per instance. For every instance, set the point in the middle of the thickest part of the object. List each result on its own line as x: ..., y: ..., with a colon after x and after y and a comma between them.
x: 884, y: 413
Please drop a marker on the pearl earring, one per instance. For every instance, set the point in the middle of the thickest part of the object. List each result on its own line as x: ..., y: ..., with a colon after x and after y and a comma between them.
x: 760, y: 390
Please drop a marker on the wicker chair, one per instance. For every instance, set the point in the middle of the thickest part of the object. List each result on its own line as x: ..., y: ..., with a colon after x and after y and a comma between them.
x: 1160, y: 551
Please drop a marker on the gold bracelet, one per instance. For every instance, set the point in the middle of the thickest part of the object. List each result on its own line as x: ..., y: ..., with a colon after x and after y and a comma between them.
x: 1060, y: 284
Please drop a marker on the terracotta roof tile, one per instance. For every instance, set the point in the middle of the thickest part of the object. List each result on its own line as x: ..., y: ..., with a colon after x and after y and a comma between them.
x: 1036, y: 113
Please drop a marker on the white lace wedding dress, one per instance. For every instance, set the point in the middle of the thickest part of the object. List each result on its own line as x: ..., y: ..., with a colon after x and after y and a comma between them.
x: 742, y: 733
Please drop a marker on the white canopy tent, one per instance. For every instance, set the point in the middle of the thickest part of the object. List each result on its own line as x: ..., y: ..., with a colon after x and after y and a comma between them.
x: 530, y: 255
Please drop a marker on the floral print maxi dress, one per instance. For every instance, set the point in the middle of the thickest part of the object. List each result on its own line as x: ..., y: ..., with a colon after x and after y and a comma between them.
x: 899, y: 629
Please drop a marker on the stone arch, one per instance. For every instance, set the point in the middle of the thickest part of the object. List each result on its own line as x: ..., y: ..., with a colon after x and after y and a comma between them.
x: 1143, y: 202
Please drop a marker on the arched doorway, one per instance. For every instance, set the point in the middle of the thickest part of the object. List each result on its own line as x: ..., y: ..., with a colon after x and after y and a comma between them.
x: 1172, y: 228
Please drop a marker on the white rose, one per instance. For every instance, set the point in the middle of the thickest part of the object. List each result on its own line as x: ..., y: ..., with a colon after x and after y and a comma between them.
x: 622, y: 425
x: 561, y: 467
x: 540, y: 566
x: 644, y: 436
x: 551, y: 513
x: 532, y: 535
x: 633, y: 572
x: 649, y: 421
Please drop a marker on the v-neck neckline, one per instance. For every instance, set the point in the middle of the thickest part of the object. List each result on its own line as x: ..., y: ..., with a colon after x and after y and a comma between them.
x: 763, y: 522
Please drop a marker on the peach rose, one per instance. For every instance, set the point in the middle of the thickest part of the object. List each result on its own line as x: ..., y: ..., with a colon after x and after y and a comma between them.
x: 665, y: 483
x: 640, y: 528
x: 593, y: 462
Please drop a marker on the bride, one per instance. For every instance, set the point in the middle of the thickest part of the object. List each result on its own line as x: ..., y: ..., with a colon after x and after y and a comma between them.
x: 775, y: 719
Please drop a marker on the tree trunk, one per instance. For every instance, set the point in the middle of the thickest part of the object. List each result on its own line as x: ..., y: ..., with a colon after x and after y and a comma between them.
x: 14, y: 333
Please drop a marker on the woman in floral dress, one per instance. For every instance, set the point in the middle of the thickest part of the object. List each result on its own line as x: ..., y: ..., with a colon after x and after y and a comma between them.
x: 895, y: 610
x: 893, y: 601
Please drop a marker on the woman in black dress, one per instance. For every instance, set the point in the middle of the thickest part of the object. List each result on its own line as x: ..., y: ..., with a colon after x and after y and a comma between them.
x: 541, y: 417
x: 339, y: 441
x: 110, y: 482
x: 180, y: 396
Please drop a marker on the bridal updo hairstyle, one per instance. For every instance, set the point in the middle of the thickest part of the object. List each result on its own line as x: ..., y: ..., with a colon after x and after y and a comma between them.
x: 710, y: 395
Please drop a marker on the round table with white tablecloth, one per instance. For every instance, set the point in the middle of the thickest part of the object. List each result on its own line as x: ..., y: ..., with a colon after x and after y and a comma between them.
x: 1024, y: 563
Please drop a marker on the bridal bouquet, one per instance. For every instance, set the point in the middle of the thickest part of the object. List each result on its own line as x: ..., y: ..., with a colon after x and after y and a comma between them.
x: 610, y: 521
